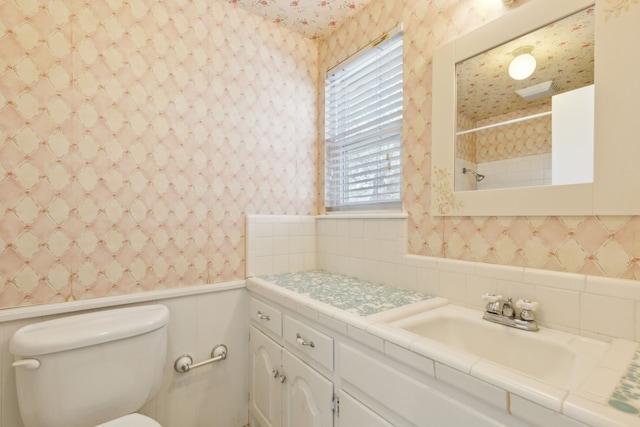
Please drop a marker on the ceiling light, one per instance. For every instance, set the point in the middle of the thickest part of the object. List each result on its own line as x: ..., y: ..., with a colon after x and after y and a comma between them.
x: 523, y: 65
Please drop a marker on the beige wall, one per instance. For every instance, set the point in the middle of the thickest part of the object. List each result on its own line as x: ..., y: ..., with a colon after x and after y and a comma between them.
x: 135, y: 136
x: 604, y: 246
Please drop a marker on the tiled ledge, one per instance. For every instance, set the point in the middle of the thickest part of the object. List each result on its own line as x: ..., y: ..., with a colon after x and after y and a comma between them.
x: 591, y: 306
x: 12, y: 314
x: 375, y: 249
x: 517, y: 394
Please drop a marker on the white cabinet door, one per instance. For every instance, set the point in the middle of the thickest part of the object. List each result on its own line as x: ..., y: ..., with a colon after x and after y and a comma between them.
x: 307, y: 395
x: 355, y: 414
x: 264, y: 379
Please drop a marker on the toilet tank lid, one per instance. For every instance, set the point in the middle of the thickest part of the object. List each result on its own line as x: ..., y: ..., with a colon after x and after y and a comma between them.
x: 83, y: 330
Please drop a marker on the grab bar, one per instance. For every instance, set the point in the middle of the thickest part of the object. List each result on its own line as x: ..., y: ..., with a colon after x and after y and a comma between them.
x: 184, y: 363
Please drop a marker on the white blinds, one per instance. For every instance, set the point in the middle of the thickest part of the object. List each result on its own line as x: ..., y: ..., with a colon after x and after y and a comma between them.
x: 363, y: 129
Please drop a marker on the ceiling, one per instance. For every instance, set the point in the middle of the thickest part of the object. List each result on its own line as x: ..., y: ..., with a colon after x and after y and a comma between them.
x: 311, y: 18
x: 564, y: 51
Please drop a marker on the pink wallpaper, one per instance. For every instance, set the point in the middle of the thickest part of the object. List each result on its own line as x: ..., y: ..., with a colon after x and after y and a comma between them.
x: 605, y: 246
x: 135, y: 136
x: 519, y: 139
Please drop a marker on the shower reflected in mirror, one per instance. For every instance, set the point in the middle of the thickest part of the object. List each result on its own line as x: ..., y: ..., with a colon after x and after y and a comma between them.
x: 479, y: 177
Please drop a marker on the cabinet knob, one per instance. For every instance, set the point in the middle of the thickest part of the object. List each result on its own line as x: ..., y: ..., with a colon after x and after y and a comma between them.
x: 275, y: 373
x: 263, y: 316
x: 282, y: 378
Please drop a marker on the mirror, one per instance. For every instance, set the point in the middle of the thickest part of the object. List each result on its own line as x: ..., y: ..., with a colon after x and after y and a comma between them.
x: 615, y: 175
x: 529, y: 129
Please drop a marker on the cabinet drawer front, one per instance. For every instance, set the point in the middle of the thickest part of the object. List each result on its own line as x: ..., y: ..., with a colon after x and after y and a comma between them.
x: 309, y: 341
x: 266, y: 317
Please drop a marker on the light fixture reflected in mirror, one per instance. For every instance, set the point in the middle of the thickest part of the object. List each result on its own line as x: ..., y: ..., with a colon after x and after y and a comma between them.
x: 523, y: 65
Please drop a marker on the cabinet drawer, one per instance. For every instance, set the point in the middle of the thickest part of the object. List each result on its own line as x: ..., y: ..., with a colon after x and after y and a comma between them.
x: 309, y: 341
x: 266, y: 317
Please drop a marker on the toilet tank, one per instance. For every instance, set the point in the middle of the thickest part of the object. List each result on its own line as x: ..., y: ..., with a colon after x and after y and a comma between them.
x: 86, y: 369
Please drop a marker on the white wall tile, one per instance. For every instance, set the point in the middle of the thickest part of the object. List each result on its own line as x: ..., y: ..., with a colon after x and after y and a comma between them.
x: 609, y: 316
x: 626, y: 289
x: 406, y: 277
x: 516, y: 290
x: 428, y: 281
x: 502, y: 272
x: 356, y: 228
x: 453, y: 286
x: 456, y: 266
x: 555, y: 279
x: 477, y: 286
x: 374, y: 249
x: 558, y: 307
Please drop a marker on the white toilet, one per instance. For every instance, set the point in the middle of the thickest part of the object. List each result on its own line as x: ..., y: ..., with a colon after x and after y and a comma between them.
x: 94, y: 369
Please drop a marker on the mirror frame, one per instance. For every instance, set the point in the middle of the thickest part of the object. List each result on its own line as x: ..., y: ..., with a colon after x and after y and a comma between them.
x: 614, y: 184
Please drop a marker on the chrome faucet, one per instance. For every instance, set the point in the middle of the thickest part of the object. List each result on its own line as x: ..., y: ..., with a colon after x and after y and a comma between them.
x: 503, y: 312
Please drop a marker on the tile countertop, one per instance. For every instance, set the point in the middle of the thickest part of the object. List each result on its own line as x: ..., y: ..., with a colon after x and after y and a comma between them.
x: 610, y: 396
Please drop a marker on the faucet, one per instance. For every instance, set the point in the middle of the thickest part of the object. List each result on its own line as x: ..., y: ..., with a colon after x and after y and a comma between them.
x: 503, y: 312
x: 508, y: 310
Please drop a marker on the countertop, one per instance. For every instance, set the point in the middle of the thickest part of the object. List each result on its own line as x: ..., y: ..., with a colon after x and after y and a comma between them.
x: 367, y: 306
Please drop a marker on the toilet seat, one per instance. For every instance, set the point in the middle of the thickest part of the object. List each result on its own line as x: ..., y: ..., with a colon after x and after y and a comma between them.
x: 131, y: 420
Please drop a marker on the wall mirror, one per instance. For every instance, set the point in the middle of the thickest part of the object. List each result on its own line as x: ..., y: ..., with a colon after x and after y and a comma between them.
x: 485, y: 134
x: 524, y: 109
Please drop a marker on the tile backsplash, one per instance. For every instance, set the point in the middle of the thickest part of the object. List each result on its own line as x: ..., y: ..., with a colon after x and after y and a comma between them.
x: 374, y: 249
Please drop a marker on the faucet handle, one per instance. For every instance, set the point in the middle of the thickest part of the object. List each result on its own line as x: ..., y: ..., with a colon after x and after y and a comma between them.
x: 491, y: 298
x: 528, y: 309
x: 493, y: 303
x: 524, y: 304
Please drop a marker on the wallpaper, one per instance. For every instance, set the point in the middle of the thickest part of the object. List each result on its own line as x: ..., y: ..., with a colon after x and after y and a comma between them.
x: 564, y: 52
x: 604, y: 246
x: 134, y: 138
x: 520, y: 139
x: 313, y: 19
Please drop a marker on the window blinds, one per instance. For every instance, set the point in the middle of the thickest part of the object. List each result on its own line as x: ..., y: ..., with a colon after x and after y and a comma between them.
x: 363, y: 129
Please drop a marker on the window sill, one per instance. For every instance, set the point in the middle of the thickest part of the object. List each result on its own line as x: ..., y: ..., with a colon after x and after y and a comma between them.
x: 364, y: 215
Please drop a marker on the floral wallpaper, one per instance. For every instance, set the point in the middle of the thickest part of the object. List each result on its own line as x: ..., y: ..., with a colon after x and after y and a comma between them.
x: 134, y: 138
x: 313, y: 19
x: 564, y: 52
x: 596, y: 245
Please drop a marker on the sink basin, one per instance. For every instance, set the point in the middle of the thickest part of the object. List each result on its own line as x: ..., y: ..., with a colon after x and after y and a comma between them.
x: 556, y: 358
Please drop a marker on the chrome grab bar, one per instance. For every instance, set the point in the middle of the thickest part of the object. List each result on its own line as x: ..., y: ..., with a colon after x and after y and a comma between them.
x: 184, y: 363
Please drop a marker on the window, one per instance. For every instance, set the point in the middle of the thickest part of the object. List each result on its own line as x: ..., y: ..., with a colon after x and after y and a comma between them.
x: 363, y: 128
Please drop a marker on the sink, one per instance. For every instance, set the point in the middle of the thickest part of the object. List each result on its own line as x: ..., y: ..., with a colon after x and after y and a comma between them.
x: 556, y: 358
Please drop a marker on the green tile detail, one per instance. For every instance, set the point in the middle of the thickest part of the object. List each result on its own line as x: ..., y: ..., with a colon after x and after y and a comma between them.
x: 626, y: 396
x: 347, y: 293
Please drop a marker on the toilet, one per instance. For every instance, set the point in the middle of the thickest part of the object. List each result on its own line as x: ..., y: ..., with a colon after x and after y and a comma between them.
x: 90, y: 370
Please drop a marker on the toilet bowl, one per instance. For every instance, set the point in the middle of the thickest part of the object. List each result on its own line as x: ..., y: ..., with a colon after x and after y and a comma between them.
x: 94, y: 369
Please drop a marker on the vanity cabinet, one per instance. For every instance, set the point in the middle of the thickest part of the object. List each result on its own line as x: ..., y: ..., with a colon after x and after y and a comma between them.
x: 284, y: 390
x: 296, y: 364
x: 353, y: 413
x: 265, y: 385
